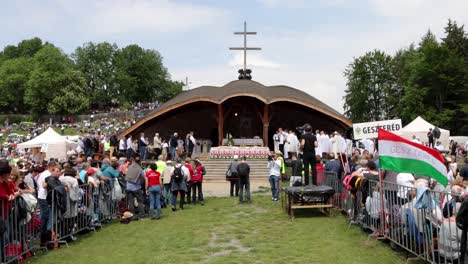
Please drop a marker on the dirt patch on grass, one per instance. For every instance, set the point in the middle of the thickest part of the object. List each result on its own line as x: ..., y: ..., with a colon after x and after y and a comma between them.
x: 225, y: 248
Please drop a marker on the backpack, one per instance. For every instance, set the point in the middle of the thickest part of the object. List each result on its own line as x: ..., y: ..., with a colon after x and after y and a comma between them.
x: 178, y: 173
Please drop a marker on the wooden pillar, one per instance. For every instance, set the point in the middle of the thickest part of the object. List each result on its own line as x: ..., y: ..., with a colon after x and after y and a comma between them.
x: 220, y: 125
x: 265, y: 125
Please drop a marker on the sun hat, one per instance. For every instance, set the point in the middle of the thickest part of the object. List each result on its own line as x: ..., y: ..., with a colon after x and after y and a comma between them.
x: 127, y: 215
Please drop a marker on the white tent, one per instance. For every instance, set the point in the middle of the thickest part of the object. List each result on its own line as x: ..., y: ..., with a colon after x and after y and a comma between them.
x: 419, y: 127
x: 50, y: 142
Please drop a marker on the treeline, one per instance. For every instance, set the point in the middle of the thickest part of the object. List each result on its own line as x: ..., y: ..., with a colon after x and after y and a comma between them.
x: 429, y: 79
x: 37, y: 77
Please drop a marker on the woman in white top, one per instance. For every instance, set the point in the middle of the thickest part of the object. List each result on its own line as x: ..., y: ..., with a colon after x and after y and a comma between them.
x: 405, y: 183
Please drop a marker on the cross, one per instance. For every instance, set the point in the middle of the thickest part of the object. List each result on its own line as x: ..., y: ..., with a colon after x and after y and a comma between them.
x: 245, y: 48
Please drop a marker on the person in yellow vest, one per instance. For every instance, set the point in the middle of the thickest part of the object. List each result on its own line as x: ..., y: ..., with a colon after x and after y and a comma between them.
x: 283, y: 167
x: 161, y: 166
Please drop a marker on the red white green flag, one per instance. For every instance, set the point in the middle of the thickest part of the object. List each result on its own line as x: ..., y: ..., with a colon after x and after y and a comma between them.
x: 401, y: 155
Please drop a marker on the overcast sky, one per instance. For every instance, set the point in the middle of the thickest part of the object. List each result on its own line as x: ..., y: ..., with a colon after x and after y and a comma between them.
x: 305, y: 44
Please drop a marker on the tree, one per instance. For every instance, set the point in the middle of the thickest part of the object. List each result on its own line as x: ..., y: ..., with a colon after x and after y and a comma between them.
x: 96, y: 62
x: 49, y: 78
x: 371, y: 94
x: 437, y: 84
x: 456, y: 39
x: 71, y: 99
x: 141, y: 76
x: 14, y: 76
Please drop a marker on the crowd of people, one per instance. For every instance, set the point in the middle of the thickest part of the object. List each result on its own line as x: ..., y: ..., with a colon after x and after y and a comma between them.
x: 54, y: 192
x: 404, y: 192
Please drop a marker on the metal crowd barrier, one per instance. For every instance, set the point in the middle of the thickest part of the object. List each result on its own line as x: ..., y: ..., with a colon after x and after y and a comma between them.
x: 387, y: 211
x: 83, y: 208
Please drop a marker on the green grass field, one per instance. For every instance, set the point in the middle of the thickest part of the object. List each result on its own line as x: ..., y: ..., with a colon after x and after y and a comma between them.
x: 224, y: 232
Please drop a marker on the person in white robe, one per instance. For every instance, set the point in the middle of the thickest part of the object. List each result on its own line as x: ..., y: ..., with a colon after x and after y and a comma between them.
x: 286, y: 144
x: 335, y: 142
x: 293, y: 143
x: 327, y: 144
x: 341, y: 144
x: 276, y: 141
x: 318, y: 149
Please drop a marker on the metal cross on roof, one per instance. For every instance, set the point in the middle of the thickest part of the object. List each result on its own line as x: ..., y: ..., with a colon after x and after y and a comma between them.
x: 245, y: 48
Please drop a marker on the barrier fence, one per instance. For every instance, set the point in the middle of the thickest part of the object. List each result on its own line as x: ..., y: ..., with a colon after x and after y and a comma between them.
x: 383, y: 209
x: 25, y: 229
x: 387, y: 210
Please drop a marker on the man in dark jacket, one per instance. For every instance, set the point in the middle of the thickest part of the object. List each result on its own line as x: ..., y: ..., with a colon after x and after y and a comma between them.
x: 333, y: 165
x: 114, y: 144
x: 296, y: 169
x: 243, y: 171
x: 56, y: 196
x: 135, y: 178
x: 173, y: 145
x: 464, y: 170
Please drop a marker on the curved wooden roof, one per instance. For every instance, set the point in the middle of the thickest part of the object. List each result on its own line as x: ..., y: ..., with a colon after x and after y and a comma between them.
x: 217, y: 95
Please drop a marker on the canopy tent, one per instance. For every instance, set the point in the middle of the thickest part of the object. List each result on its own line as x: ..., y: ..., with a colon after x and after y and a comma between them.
x: 53, y: 144
x: 419, y: 127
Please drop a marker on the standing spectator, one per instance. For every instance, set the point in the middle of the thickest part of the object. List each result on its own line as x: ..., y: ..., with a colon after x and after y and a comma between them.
x: 164, y: 150
x: 308, y: 145
x: 157, y: 143
x: 129, y: 147
x: 179, y: 186
x: 282, y: 139
x: 142, y: 144
x: 166, y: 179
x: 7, y: 196
x: 190, y: 143
x: 122, y: 146
x: 153, y: 189
x: 243, y: 170
x: 134, y: 178
x: 173, y: 146
x: 196, y: 182
x: 464, y: 170
x: 233, y: 179
x: 296, y: 170
x: 430, y: 137
x: 333, y: 165
x: 114, y: 144
x: 189, y: 167
x: 274, y: 166
x: 42, y: 196
x: 320, y: 171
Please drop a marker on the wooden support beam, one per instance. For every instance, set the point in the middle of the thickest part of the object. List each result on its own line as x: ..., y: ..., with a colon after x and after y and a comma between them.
x: 220, y: 125
x: 266, y: 123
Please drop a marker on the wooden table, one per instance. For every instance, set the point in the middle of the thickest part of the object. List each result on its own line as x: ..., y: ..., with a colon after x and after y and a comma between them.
x: 321, y: 201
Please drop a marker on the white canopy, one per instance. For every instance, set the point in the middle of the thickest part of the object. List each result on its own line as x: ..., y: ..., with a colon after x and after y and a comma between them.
x: 419, y: 127
x: 53, y: 144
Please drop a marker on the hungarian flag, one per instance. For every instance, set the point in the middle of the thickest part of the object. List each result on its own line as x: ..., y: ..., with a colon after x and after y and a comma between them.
x: 401, y: 155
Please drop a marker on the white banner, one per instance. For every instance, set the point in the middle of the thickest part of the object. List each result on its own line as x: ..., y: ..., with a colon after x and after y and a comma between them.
x: 370, y: 129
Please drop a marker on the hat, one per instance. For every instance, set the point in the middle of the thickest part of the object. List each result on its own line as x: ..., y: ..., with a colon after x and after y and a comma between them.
x: 127, y: 215
x: 169, y: 162
x: 91, y: 171
x: 278, y: 152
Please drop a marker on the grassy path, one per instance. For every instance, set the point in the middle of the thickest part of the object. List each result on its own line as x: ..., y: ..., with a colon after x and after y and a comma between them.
x: 224, y: 232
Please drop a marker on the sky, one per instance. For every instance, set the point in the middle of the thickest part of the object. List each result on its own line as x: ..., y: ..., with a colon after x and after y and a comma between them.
x: 306, y: 44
